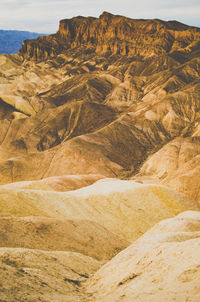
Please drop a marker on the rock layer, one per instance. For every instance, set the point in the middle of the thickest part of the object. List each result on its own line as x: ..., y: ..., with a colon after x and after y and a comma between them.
x: 51, y: 234
x: 115, y: 35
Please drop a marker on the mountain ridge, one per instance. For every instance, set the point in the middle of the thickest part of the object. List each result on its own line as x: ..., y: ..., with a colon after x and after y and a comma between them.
x: 11, y: 40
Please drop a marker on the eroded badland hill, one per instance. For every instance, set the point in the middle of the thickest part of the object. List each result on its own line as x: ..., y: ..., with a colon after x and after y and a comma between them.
x: 100, y: 141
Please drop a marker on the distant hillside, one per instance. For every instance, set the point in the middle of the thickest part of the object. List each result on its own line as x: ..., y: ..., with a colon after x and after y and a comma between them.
x: 11, y: 40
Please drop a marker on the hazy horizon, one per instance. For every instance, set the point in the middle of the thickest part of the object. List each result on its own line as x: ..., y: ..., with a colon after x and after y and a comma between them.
x: 43, y: 16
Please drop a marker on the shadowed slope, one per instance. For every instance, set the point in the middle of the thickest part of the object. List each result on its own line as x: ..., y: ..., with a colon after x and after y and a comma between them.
x: 83, y: 236
x: 32, y: 275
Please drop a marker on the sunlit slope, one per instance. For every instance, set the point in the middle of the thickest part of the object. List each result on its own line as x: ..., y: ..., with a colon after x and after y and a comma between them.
x: 175, y: 165
x: 163, y: 265
x: 56, y: 183
x: 125, y: 208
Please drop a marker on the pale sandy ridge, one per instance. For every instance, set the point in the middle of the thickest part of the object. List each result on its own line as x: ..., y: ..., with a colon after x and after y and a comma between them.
x: 125, y: 208
x: 162, y: 265
x: 56, y: 183
x: 97, y: 221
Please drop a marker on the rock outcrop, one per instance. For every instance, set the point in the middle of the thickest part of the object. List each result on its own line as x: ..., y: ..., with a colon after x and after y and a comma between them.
x: 114, y: 34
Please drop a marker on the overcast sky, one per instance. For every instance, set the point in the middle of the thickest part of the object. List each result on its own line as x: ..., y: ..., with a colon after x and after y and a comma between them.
x: 43, y: 15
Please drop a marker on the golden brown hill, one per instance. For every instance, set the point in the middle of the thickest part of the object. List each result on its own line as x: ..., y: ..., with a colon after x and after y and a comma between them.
x: 175, y: 165
x: 84, y: 111
x: 56, y: 183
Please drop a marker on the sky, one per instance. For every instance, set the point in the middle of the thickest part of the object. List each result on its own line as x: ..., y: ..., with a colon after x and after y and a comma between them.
x: 43, y: 16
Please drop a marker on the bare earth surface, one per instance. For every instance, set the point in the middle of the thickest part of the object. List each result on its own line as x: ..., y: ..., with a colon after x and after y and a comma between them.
x: 163, y: 265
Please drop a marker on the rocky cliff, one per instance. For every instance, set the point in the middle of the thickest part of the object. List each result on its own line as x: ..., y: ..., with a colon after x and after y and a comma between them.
x: 113, y: 34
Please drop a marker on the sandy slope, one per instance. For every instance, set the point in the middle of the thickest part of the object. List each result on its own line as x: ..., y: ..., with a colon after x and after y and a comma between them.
x: 51, y: 243
x: 163, y: 265
x: 175, y: 165
x: 125, y: 208
x: 83, y: 236
x: 34, y: 275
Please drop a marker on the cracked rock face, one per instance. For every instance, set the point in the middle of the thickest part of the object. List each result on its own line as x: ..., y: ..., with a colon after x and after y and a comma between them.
x: 115, y: 35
